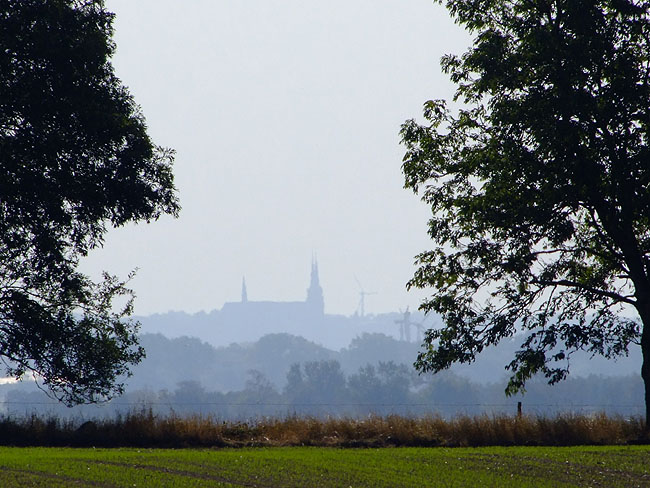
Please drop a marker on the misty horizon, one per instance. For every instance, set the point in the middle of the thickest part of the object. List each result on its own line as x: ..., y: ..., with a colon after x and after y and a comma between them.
x: 285, y: 118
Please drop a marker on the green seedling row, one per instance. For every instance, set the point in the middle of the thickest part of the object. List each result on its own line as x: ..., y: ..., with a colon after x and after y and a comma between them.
x: 625, y: 466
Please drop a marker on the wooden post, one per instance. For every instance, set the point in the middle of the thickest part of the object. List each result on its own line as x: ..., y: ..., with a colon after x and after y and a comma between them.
x: 518, y: 409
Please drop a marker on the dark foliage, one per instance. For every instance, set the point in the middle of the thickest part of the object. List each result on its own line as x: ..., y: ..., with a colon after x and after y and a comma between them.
x: 539, y: 186
x: 75, y: 158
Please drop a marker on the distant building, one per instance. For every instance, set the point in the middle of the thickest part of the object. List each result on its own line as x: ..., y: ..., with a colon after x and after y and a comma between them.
x: 290, y: 316
x: 246, y: 321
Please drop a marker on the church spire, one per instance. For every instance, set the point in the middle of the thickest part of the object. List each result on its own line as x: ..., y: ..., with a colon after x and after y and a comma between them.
x: 314, y: 282
x: 244, y: 294
x: 315, y: 293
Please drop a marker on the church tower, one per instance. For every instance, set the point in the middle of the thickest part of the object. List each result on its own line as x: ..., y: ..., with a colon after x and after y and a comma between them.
x: 315, y: 300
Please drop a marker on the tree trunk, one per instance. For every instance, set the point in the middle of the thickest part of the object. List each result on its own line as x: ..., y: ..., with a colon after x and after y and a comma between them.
x: 645, y: 374
x: 644, y: 312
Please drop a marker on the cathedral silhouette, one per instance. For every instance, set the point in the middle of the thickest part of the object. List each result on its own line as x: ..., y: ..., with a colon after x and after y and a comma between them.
x: 290, y: 316
x: 246, y: 321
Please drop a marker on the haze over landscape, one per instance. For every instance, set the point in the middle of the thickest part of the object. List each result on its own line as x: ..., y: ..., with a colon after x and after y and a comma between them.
x: 285, y: 116
x: 211, y: 213
x: 281, y: 287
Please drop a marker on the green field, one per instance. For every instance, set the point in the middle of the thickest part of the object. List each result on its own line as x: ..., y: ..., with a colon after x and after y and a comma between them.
x: 328, y: 467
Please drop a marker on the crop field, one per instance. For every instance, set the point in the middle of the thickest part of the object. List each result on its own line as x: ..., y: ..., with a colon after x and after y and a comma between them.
x: 611, y: 466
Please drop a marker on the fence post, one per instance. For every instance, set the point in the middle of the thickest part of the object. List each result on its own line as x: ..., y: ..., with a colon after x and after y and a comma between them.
x: 518, y: 409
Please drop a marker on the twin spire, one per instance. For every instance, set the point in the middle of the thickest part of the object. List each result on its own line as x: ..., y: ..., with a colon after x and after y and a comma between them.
x: 314, y: 292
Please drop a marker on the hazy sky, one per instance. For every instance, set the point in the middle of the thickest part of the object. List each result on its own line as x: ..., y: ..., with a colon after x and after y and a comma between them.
x: 285, y: 116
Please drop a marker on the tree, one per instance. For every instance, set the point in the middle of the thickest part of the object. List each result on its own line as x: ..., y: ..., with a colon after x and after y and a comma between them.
x: 539, y: 185
x: 75, y: 158
x: 383, y: 389
x: 315, y: 386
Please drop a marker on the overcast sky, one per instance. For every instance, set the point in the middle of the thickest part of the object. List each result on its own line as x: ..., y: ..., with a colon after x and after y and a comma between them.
x: 285, y: 116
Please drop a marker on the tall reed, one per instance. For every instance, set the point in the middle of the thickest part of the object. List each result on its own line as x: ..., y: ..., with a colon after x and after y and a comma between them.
x: 145, y: 429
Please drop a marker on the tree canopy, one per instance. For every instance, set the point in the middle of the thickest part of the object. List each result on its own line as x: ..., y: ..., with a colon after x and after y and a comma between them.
x: 75, y: 159
x: 539, y: 185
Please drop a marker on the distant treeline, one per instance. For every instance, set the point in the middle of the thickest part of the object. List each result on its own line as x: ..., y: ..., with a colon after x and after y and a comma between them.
x: 321, y: 389
x: 171, y: 361
x: 282, y: 374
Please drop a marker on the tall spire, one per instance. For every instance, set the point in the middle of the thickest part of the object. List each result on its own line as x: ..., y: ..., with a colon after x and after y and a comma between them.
x: 244, y: 294
x: 315, y: 292
x: 314, y: 272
